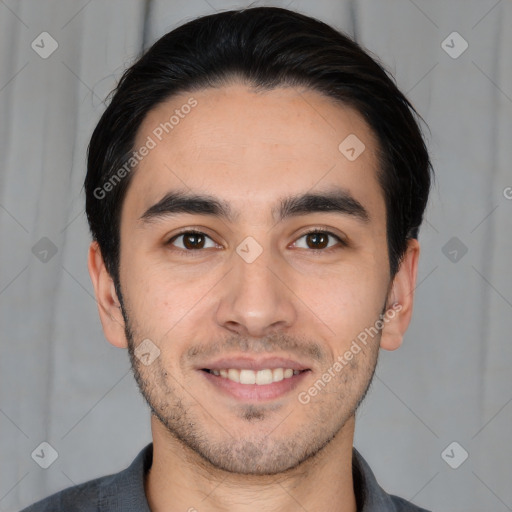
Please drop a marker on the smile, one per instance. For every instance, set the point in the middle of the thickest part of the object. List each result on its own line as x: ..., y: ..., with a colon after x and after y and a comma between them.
x: 260, y: 378
x: 254, y: 386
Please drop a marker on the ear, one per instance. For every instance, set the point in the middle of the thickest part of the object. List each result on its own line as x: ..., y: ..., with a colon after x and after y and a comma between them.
x: 401, y: 294
x: 108, y: 304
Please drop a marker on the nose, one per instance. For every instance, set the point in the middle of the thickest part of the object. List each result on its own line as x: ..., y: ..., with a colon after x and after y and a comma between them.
x: 257, y: 298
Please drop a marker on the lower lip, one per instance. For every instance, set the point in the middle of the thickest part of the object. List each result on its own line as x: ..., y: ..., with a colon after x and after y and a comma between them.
x: 255, y: 392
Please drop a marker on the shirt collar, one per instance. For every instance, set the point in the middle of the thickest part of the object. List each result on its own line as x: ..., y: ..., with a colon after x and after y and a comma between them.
x: 370, y: 496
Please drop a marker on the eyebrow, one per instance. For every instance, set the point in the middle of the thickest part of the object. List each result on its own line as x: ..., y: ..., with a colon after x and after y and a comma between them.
x: 335, y: 199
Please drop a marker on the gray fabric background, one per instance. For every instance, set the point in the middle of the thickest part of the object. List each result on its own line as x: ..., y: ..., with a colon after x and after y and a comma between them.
x: 62, y: 383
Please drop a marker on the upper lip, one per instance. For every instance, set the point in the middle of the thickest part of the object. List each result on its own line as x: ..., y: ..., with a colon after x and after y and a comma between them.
x: 252, y: 363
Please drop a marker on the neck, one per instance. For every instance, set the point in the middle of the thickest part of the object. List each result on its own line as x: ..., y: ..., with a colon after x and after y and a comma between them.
x: 180, y: 480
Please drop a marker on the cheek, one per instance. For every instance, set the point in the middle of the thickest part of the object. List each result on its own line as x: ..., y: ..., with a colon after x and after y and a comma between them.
x: 347, y: 302
x: 164, y: 301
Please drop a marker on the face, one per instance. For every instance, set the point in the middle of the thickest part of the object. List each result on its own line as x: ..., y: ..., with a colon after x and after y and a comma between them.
x: 278, y: 264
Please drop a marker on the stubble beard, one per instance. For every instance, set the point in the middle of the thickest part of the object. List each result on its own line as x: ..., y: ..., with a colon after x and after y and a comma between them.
x: 260, y: 452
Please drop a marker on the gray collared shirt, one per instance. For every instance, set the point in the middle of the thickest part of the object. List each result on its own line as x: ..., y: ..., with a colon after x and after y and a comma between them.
x: 124, y: 491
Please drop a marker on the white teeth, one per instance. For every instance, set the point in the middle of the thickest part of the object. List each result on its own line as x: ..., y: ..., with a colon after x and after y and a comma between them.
x: 261, y: 377
x: 264, y: 377
x: 247, y: 377
x: 234, y: 375
x: 278, y: 374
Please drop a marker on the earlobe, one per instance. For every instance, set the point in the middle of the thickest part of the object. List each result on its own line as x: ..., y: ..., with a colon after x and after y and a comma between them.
x: 392, y: 335
x: 111, y: 318
x: 397, y: 318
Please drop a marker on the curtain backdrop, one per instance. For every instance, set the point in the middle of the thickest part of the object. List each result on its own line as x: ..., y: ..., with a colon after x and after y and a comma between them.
x: 62, y: 383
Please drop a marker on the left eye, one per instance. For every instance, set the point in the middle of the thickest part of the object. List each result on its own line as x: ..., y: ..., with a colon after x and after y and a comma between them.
x: 319, y: 240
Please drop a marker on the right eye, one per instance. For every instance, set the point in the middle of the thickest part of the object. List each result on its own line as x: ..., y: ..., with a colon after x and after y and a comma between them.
x: 191, y: 240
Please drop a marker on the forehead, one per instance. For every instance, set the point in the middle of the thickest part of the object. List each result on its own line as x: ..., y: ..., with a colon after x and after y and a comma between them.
x: 250, y: 148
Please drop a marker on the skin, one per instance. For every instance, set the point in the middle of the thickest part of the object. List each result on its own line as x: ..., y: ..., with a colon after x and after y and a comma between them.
x: 213, y: 452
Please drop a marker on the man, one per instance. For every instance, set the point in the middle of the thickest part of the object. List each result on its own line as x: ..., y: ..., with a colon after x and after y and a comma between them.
x: 254, y: 191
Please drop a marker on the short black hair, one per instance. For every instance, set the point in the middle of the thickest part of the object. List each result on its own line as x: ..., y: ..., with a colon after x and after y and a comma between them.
x: 264, y: 47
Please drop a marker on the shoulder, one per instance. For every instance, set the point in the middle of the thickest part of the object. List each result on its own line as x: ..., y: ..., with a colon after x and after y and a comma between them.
x: 82, y: 498
x: 370, y: 496
x: 120, y: 491
x: 402, y: 505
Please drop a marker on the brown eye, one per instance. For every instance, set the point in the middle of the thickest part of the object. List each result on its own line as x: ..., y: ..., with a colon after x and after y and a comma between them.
x: 191, y: 240
x: 319, y: 240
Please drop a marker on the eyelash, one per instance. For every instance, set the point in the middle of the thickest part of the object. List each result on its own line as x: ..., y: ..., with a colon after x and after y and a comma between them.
x: 190, y: 252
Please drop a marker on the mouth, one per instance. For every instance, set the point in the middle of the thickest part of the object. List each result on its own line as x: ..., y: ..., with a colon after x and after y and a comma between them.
x: 251, y: 380
x: 260, y: 377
